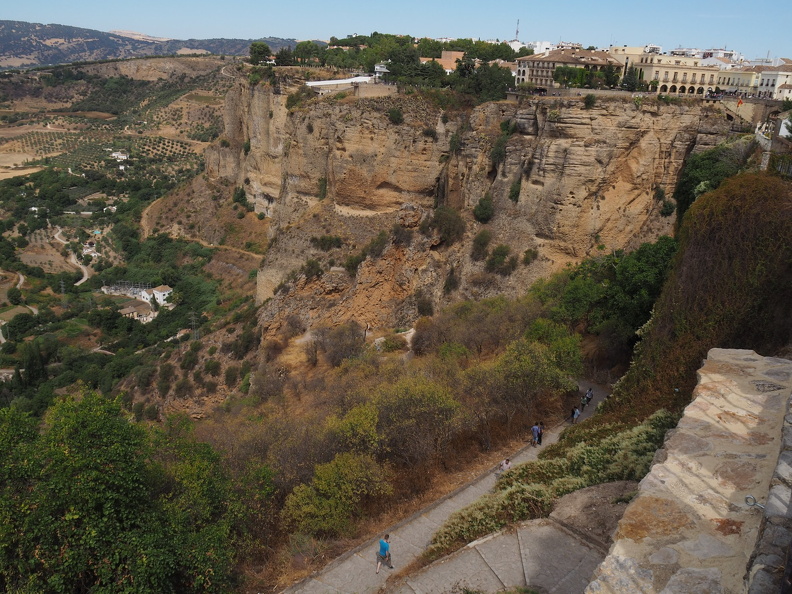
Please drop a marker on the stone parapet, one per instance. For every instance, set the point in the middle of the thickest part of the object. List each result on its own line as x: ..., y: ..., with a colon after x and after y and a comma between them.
x: 690, y: 529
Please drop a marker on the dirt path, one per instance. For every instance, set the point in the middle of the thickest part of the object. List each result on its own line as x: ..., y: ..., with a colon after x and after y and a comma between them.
x: 86, y: 271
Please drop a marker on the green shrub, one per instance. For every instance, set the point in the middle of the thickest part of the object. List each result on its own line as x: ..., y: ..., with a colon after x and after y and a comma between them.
x: 430, y: 133
x: 299, y: 97
x: 501, y: 262
x: 400, y: 235
x: 589, y: 100
x: 508, y: 127
x: 327, y: 242
x: 212, y: 367
x: 394, y: 342
x: 668, y: 208
x: 151, y: 413
x: 377, y: 245
x: 529, y: 256
x: 485, y: 209
x: 455, y: 143
x: 246, y: 147
x: 449, y: 224
x: 514, y: 190
x: 498, y: 152
x: 322, y: 194
x: 423, y: 304
x: 395, y: 116
x: 480, y: 244
x: 352, y: 263
x: 327, y: 506
x: 312, y: 269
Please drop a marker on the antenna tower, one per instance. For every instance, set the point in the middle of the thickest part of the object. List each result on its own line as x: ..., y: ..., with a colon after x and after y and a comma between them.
x: 517, y: 32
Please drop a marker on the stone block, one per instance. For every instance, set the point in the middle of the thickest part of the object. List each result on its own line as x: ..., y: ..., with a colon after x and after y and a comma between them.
x: 664, y: 556
x: 700, y: 581
x: 784, y: 467
x: 621, y: 575
x: 779, y: 501
x: 707, y: 547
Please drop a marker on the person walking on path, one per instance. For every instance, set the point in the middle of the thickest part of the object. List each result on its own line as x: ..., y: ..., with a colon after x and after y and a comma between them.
x: 541, y: 431
x: 535, y: 433
x: 383, y: 555
x: 504, y: 466
x: 575, y: 414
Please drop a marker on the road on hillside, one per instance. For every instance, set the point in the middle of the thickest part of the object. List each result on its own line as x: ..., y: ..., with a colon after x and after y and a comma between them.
x: 86, y: 271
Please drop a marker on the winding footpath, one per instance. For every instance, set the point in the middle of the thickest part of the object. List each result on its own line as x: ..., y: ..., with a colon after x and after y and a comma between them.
x: 354, y: 572
x: 86, y: 272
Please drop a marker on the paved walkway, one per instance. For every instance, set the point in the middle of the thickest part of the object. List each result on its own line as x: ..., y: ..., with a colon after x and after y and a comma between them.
x: 354, y: 572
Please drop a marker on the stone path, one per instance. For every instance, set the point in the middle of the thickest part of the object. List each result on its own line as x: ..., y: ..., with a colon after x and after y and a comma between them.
x: 354, y: 572
x: 540, y: 554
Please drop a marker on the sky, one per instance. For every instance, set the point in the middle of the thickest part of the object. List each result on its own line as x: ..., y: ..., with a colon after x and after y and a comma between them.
x: 745, y: 26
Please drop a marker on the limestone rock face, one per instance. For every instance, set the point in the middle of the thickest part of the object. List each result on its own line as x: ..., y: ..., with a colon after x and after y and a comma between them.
x: 580, y: 181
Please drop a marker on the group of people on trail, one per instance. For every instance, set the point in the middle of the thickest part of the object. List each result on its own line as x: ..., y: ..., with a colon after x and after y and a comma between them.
x: 536, y: 433
x: 585, y: 400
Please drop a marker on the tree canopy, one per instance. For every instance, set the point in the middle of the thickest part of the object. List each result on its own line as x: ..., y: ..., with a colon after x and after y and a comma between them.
x: 259, y: 52
x: 92, y: 502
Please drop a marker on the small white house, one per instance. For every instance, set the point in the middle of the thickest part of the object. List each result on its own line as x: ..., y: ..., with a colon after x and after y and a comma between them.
x: 119, y: 155
x: 159, y: 294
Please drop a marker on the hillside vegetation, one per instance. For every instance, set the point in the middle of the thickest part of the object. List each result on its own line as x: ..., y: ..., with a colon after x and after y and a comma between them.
x: 729, y: 287
x: 217, y: 448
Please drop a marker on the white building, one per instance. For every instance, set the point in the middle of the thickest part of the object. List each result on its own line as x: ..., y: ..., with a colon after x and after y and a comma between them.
x: 540, y: 47
x: 159, y: 294
x: 776, y: 82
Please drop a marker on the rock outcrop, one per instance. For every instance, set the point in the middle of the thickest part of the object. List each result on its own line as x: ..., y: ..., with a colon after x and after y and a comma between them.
x: 580, y: 181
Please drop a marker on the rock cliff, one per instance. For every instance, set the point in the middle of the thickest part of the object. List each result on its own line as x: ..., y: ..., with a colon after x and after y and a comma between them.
x: 580, y: 181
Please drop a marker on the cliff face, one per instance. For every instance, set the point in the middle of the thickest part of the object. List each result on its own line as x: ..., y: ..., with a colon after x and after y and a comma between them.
x: 587, y: 181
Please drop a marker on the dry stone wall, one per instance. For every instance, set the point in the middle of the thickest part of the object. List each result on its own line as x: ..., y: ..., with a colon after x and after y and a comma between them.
x: 690, y: 529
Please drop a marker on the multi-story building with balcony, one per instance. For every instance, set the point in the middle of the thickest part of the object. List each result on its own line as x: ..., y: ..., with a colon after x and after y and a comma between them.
x: 677, y: 74
x: 540, y: 68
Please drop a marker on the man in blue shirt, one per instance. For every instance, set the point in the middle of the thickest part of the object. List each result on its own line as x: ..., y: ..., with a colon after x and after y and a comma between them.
x: 383, y: 555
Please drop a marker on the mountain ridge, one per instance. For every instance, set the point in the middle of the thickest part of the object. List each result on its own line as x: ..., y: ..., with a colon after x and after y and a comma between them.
x: 27, y: 45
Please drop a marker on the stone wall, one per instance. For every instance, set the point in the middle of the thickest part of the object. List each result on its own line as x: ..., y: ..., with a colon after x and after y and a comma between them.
x: 690, y: 529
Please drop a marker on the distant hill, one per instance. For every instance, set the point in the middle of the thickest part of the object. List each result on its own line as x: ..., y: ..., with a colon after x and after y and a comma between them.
x: 33, y: 44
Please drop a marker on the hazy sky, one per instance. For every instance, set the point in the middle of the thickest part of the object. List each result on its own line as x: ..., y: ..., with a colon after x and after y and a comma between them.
x: 753, y: 28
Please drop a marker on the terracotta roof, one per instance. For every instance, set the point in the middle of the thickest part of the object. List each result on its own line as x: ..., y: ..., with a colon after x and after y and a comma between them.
x: 577, y: 57
x: 446, y: 63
